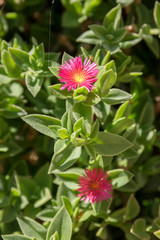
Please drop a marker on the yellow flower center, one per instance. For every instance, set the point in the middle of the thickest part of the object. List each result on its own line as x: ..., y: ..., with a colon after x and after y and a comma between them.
x: 79, y: 78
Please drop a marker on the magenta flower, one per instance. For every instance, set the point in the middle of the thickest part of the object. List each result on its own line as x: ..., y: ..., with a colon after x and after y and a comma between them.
x: 94, y: 186
x: 75, y: 73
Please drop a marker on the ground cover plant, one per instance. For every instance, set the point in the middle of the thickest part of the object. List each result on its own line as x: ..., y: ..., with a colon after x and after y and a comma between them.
x: 79, y: 120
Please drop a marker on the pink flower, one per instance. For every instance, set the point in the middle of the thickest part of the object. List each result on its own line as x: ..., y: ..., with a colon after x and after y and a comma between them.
x: 75, y: 73
x: 94, y: 186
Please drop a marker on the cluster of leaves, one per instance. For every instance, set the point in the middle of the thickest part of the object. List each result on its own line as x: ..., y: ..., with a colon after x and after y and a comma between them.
x: 107, y: 127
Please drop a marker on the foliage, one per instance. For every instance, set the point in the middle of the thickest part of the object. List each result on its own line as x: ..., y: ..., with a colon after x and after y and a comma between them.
x: 49, y: 136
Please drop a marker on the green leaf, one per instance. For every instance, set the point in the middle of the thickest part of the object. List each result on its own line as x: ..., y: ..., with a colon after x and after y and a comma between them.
x: 102, y: 111
x: 46, y: 181
x: 65, y: 157
x: 33, y: 83
x: 29, y: 209
x: 50, y: 56
x: 69, y: 177
x: 80, y: 94
x: 4, y: 45
x: 133, y: 185
x: 63, y: 133
x: 146, y: 116
x: 139, y: 229
x: 38, y: 54
x: 110, y: 65
x: 62, y: 94
x: 71, y: 174
x: 109, y: 46
x: 99, y: 31
x: 105, y: 206
x: 157, y: 221
x: 121, y: 124
x: 3, y: 148
x: 130, y: 40
x: 41, y: 123
x: 106, y: 58
x: 117, y: 216
x: 90, y: 6
x: 152, y: 166
x: 66, y: 121
x: 62, y: 224
x: 55, y: 236
x: 125, y: 3
x: 119, y: 34
x: 44, y: 70
x: 89, y: 37
x: 78, y: 141
x: 105, y: 82
x: 122, y: 60
x: 55, y: 129
x: 16, y: 89
x: 96, y: 207
x: 60, y: 145
x: 21, y: 58
x: 4, y: 127
x: 16, y: 237
x: 92, y: 99
x: 157, y: 234
x: 130, y: 236
x: 27, y: 186
x: 109, y: 144
x: 73, y: 6
x: 145, y: 33
x: 55, y: 69
x: 132, y: 208
x: 94, y: 129
x: 64, y: 191
x: 70, y: 20
x: 102, y: 232
x: 131, y: 133
x: 4, y: 78
x: 13, y: 111
x: 143, y: 15
x: 90, y: 150
x: 113, y: 16
x: 78, y: 124
x: 8, y: 214
x: 119, y: 177
x: 123, y: 111
x: 116, y: 96
x: 13, y: 149
x: 31, y: 228
x: 156, y: 13
x: 86, y: 215
x: 10, y: 67
x: 66, y: 57
x: 151, y: 41
x: 154, y: 46
x: 97, y: 57
x: 3, y: 24
x: 47, y: 214
x: 85, y: 53
x: 81, y: 110
x: 45, y: 196
x: 67, y: 205
x: 105, y: 161
x: 80, y: 98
